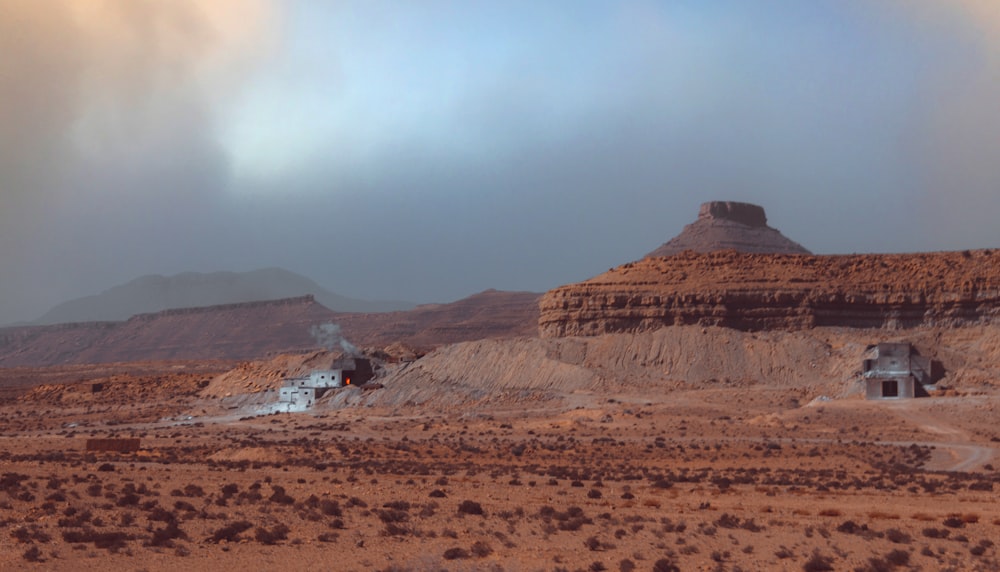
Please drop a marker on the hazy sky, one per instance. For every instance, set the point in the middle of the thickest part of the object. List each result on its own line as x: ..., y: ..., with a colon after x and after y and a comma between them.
x: 429, y: 150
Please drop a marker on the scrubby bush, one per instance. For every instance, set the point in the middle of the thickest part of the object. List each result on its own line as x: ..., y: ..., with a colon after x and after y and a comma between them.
x: 165, y: 536
x: 665, y: 565
x: 470, y: 507
x: 818, y: 563
x: 455, y: 553
x: 280, y: 496
x: 231, y: 532
x: 481, y: 549
x: 273, y: 535
x: 33, y: 554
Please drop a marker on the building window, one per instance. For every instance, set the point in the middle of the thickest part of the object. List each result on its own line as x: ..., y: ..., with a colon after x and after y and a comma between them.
x: 890, y: 388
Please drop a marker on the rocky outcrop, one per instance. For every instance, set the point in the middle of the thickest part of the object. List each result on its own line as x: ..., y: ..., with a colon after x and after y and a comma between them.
x: 724, y: 225
x: 767, y: 292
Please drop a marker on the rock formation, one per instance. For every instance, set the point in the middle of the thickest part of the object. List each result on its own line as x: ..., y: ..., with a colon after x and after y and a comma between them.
x: 724, y: 225
x: 749, y: 292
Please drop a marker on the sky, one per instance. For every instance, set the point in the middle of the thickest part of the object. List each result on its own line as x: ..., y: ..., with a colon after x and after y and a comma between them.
x: 425, y: 151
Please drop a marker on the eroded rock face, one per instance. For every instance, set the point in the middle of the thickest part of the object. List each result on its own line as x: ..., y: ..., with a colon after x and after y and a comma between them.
x: 749, y: 292
x: 724, y: 225
x: 743, y: 213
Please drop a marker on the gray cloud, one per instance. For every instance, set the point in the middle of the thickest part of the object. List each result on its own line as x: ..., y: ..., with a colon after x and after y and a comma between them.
x: 107, y: 150
x: 586, y: 143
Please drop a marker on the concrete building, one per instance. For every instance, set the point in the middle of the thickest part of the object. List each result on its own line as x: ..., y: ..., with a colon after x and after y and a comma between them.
x: 896, y: 371
x: 302, y: 392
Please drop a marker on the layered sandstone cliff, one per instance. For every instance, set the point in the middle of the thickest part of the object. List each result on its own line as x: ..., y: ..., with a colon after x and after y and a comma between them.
x: 749, y: 291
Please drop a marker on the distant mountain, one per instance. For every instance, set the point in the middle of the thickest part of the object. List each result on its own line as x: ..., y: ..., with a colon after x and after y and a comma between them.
x: 255, y: 329
x: 155, y: 293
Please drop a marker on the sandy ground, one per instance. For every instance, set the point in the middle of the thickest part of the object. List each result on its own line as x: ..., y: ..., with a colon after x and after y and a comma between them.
x: 703, y: 479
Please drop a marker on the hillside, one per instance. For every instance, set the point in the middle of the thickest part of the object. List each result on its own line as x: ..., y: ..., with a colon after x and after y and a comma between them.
x: 255, y: 329
x: 523, y: 373
x: 155, y: 293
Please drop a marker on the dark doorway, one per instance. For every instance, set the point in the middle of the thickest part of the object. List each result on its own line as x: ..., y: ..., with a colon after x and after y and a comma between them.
x: 890, y: 388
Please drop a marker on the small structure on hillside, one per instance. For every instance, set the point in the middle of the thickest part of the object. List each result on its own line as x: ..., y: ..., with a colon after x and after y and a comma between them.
x: 302, y: 392
x: 896, y: 371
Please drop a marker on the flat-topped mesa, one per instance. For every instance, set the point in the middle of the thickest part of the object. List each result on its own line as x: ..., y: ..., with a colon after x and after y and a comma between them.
x: 729, y: 225
x: 747, y: 291
x: 743, y: 213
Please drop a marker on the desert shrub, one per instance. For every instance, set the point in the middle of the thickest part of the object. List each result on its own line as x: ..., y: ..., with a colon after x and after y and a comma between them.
x: 395, y: 529
x: 271, y: 536
x: 165, y: 536
x: 594, y: 494
x: 470, y: 507
x: 953, y: 522
x: 26, y: 535
x: 106, y: 468
x: 428, y: 510
x: 251, y: 496
x: 848, y: 527
x: 330, y: 508
x: 231, y: 532
x: 455, y: 553
x: 280, y: 496
x: 481, y: 549
x: 397, y: 505
x: 75, y: 519
x: 727, y: 521
x: 128, y: 499
x: 112, y: 541
x: 898, y: 557
x: 665, y: 565
x: 897, y: 536
x: 626, y: 565
x: 392, y: 515
x: 818, y: 563
x: 662, y: 484
x: 33, y: 554
x: 161, y: 514
x: 936, y: 532
x: 328, y: 537
x: 193, y: 490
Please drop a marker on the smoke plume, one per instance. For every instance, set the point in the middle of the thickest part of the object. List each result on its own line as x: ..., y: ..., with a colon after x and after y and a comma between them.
x: 328, y: 336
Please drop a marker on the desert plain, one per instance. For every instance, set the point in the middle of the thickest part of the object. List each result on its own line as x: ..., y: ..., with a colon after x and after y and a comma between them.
x: 580, y: 466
